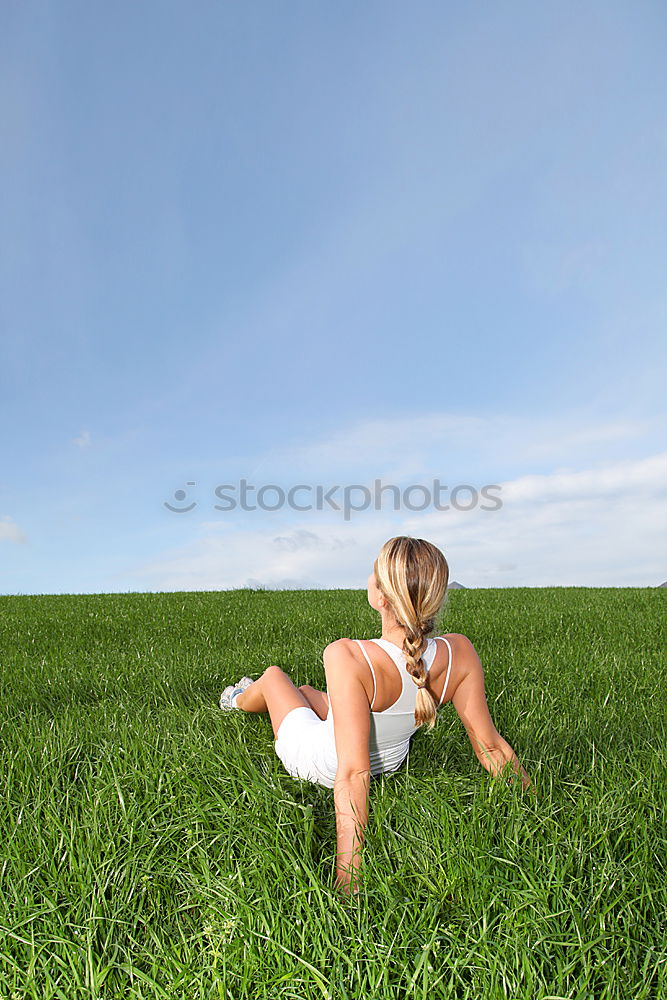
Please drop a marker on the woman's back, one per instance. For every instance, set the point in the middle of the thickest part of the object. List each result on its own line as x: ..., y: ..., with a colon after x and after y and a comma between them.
x: 393, y: 696
x: 387, y: 663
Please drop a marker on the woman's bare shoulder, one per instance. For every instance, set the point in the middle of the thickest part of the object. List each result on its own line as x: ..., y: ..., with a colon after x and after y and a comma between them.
x: 465, y: 660
x: 340, y: 645
x: 464, y: 654
x: 456, y: 637
x: 343, y: 649
x: 346, y: 650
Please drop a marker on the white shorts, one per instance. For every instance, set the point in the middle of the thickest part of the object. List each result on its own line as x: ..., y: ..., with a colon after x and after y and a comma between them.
x: 306, y: 746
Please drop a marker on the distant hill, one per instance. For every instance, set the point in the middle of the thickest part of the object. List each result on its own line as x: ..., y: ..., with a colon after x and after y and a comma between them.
x: 454, y: 585
x: 663, y: 584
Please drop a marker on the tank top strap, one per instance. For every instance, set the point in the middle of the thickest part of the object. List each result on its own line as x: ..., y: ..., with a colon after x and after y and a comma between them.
x: 368, y: 661
x: 449, y: 665
x: 398, y: 657
x: 403, y: 703
x: 430, y: 654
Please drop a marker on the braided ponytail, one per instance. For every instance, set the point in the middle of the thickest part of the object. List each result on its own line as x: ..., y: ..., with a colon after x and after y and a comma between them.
x: 412, y: 574
x: 426, y: 708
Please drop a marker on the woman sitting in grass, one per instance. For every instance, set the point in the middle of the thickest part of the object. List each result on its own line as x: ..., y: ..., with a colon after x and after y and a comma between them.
x: 362, y: 724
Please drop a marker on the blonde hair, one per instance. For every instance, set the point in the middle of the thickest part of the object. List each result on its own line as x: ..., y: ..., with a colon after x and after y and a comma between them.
x: 412, y: 576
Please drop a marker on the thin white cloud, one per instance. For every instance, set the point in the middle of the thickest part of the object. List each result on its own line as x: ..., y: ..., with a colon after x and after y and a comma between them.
x: 334, y: 556
x: 593, y: 527
x: 83, y: 440
x: 397, y: 446
x: 10, y: 531
x: 300, y: 539
x: 403, y: 447
x: 619, y: 478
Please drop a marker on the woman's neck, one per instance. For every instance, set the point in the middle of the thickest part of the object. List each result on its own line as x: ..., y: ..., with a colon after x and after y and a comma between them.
x: 393, y: 632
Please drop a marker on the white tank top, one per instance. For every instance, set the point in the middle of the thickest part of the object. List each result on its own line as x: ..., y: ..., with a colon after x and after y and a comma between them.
x: 391, y: 730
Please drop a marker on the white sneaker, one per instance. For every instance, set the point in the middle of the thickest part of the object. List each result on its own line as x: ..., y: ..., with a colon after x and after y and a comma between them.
x: 232, y: 690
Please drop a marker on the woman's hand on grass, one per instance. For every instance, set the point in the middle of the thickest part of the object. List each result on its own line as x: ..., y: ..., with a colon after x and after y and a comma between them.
x: 346, y: 886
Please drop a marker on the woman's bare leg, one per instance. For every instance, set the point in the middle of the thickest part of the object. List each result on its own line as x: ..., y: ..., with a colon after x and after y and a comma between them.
x: 274, y: 693
x: 318, y: 700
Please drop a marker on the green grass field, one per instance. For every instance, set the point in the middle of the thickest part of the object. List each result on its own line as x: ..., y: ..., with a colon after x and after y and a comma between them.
x: 153, y: 846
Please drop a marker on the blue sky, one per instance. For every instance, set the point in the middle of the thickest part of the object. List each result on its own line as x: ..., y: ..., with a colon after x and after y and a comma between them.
x: 326, y: 244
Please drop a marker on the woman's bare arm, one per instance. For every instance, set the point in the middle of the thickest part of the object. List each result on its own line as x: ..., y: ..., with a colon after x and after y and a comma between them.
x: 493, y: 752
x: 351, y: 715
